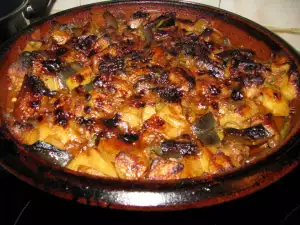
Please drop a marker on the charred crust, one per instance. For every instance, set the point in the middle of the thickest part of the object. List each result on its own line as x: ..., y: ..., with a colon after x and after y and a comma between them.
x: 140, y: 14
x: 61, y: 117
x: 112, y: 122
x: 36, y: 86
x: 111, y: 64
x: 129, y: 138
x: 52, y: 65
x: 169, y: 94
x: 174, y: 148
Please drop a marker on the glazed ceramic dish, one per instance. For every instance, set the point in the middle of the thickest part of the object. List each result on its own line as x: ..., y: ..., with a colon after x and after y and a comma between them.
x: 176, y: 71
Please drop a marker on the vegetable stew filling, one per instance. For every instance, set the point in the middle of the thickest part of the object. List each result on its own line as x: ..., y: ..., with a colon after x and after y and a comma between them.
x: 151, y: 97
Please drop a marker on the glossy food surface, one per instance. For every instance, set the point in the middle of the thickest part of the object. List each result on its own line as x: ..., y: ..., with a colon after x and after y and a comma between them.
x: 144, y: 94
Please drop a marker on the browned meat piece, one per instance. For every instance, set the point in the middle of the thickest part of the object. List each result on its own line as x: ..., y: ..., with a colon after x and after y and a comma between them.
x: 129, y: 166
x: 162, y: 169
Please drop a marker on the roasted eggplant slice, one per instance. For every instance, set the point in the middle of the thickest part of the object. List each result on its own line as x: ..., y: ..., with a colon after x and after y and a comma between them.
x: 204, y: 129
x: 176, y: 149
x: 165, y: 20
x: 251, y: 136
x: 37, y: 86
x: 50, y: 153
x: 236, y: 53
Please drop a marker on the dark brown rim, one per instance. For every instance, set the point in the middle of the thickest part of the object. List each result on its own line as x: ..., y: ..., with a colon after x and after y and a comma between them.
x: 161, y: 195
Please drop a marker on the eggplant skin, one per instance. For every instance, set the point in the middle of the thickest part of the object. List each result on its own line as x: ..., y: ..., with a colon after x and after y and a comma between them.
x: 254, y: 132
x: 50, y: 153
x: 176, y: 149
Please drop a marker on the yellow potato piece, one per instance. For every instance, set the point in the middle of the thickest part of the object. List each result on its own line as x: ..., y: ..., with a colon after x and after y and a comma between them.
x: 93, y: 159
x: 132, y: 116
x: 148, y: 111
x: 276, y: 103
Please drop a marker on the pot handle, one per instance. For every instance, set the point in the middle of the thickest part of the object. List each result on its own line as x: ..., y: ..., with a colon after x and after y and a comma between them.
x: 36, y: 8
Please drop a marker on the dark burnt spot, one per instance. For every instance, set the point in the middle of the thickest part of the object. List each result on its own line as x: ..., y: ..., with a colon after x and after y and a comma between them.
x: 207, y: 31
x: 161, y: 33
x: 213, y: 90
x: 236, y: 53
x: 255, y: 79
x: 111, y: 64
x: 92, y: 52
x: 137, y: 55
x: 142, y: 86
x: 61, y: 51
x: 85, y: 43
x: 112, y: 122
x: 177, y: 168
x: 87, y: 122
x: 172, y: 148
x: 140, y: 14
x: 61, y: 117
x: 52, y: 65
x: 187, y: 75
x: 215, y: 105
x: 87, y: 109
x: 276, y: 95
x: 172, y: 51
x: 165, y: 20
x: 40, y: 118
x: 154, y: 122
x: 129, y: 138
x: 169, y: 94
x: 100, y: 81
x: 255, y: 132
x: 237, y: 94
x: 160, y: 78
x: 37, y: 86
x: 88, y: 96
x: 56, y: 103
x: 129, y: 42
x: 78, y: 78
x: 137, y: 102
x: 35, y: 104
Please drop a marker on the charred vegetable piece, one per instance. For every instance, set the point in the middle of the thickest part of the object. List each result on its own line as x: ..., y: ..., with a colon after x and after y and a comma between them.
x: 236, y: 52
x: 129, y: 138
x: 188, y: 76
x: 61, y: 51
x: 165, y: 20
x: 237, y: 94
x: 252, y: 80
x: 140, y: 14
x: 169, y: 94
x: 110, y: 20
x: 111, y: 64
x: 251, y: 135
x: 175, y: 149
x: 51, y: 153
x: 37, y: 86
x: 86, y: 43
x: 204, y: 129
x: 113, y: 122
x: 52, y: 65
